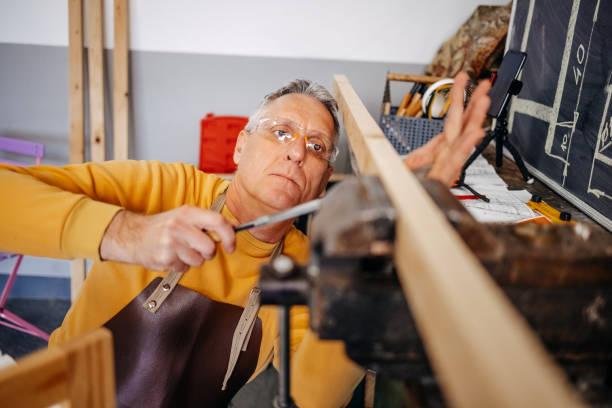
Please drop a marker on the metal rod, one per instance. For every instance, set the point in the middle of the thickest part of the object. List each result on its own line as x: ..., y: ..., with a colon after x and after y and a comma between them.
x: 244, y: 227
x: 284, y: 399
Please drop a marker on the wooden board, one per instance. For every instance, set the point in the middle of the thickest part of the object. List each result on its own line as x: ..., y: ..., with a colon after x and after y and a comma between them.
x: 75, y: 95
x: 80, y: 371
x: 95, y: 41
x: 121, y: 81
x: 77, y: 112
x: 423, y: 79
x: 91, y: 370
x: 481, y: 349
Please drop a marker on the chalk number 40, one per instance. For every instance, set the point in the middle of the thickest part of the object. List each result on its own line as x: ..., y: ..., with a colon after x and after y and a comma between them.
x: 580, y: 54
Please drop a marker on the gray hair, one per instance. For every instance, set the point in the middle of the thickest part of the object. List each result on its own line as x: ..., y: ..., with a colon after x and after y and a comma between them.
x: 302, y: 87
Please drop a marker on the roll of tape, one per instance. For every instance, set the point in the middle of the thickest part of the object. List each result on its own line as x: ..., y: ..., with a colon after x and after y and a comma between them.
x: 445, y: 83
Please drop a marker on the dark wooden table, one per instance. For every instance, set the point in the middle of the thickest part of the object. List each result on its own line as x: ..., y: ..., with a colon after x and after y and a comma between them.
x: 562, y: 310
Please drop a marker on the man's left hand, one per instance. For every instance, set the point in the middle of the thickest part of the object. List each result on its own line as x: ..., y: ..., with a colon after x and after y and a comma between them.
x: 447, y: 152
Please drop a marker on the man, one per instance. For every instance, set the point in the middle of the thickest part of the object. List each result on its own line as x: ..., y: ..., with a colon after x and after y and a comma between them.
x: 141, y: 219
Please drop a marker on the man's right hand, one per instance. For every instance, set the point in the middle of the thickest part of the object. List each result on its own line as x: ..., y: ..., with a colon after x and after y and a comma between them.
x: 170, y: 241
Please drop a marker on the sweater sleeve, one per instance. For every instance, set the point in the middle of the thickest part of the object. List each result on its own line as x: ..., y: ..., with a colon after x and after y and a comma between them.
x: 63, y: 212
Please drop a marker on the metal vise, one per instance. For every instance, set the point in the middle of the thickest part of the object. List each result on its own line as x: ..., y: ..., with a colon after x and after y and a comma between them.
x: 350, y: 284
x: 557, y: 276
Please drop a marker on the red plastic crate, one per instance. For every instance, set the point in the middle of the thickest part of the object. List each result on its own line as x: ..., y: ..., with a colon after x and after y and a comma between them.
x: 218, y: 136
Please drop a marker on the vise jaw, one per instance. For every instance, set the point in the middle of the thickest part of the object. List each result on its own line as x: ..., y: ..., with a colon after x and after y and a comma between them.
x: 350, y: 284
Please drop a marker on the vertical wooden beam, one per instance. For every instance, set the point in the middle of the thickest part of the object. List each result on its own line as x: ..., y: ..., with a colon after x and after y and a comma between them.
x: 482, y: 350
x: 95, y: 37
x: 77, y: 112
x: 121, y: 81
x: 76, y: 108
x: 77, y: 277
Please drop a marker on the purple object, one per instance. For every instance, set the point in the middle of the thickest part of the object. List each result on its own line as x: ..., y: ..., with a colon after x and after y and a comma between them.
x: 7, y: 318
x: 22, y: 147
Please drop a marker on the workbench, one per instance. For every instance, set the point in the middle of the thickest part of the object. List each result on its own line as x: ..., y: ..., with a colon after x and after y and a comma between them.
x: 497, y: 330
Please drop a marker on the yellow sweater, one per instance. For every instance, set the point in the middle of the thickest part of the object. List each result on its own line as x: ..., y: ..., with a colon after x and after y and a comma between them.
x: 63, y: 212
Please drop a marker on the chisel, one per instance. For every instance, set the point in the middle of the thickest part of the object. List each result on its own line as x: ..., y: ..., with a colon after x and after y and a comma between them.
x: 293, y: 212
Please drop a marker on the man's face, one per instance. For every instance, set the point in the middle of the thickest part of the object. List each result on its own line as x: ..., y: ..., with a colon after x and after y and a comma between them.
x: 282, y: 175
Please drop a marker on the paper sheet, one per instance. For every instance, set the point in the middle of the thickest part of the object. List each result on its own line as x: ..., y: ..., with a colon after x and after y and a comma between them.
x: 504, y: 205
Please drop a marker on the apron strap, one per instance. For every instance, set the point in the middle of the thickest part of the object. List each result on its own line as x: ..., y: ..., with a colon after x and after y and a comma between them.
x: 167, y: 285
x: 242, y: 333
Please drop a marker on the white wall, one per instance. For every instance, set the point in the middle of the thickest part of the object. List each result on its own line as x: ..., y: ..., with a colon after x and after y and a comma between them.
x: 363, y: 30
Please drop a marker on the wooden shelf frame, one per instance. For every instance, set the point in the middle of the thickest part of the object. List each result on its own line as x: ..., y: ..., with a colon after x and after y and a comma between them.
x: 78, y: 373
x: 76, y: 106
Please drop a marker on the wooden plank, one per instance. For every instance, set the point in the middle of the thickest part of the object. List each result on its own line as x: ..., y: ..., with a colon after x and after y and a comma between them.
x: 121, y: 81
x: 91, y: 370
x: 95, y: 41
x: 76, y: 108
x: 77, y: 112
x: 394, y: 76
x: 481, y: 349
x: 81, y: 371
x: 38, y: 380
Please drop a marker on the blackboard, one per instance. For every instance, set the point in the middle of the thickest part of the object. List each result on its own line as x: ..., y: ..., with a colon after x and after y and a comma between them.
x: 560, y: 122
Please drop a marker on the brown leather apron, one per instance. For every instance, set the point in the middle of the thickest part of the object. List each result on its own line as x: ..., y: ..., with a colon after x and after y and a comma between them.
x: 176, y: 347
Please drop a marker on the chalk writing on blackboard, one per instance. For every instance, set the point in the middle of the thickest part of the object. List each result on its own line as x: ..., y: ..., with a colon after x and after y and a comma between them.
x: 603, y: 152
x: 560, y: 122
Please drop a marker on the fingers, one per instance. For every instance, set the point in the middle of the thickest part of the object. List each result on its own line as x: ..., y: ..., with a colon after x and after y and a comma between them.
x: 463, y: 151
x: 478, y: 111
x: 449, y: 161
x: 182, y: 246
x: 178, y: 239
x: 454, y: 117
x: 197, y: 240
x: 481, y: 92
x: 177, y: 266
x: 424, y: 155
x: 215, y: 224
x: 189, y: 256
x: 459, y: 152
x: 462, y: 130
x: 460, y: 127
x: 434, y: 144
